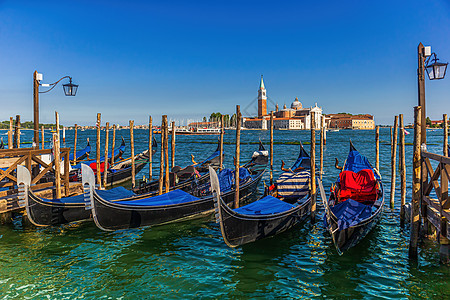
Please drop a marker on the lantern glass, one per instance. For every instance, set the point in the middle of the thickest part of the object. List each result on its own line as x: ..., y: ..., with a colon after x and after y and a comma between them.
x: 70, y: 89
x: 436, y: 70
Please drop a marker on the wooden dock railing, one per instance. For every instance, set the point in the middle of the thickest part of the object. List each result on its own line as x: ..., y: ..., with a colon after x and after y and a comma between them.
x: 11, y: 158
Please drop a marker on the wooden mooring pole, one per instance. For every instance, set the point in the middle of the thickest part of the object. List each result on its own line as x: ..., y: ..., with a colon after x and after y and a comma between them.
x: 222, y: 131
x: 172, y: 152
x: 271, y: 147
x: 42, y: 132
x: 10, y: 133
x: 415, y: 214
x: 133, y: 167
x: 106, y: 163
x: 161, y: 161
x: 313, y: 167
x: 17, y: 132
x: 99, y: 179
x: 150, y: 148
x: 75, y: 145
x: 322, y: 131
x: 113, y: 146
x: 238, y: 154
x: 57, y: 159
x: 377, y: 148
x: 445, y: 124
x: 393, y: 162
x: 402, y: 164
x: 166, y: 156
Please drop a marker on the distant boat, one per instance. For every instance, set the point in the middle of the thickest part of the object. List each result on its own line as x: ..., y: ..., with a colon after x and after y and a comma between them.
x: 333, y: 130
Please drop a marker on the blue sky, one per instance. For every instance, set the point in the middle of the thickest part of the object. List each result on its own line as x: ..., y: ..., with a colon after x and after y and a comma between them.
x: 187, y: 59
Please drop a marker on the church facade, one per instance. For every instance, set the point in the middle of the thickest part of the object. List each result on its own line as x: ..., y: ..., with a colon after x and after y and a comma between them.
x: 295, y: 117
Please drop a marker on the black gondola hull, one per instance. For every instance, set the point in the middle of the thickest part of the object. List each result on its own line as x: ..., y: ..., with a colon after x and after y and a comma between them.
x: 111, y: 216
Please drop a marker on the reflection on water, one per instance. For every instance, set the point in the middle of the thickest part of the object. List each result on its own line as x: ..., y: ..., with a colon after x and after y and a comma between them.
x: 190, y: 259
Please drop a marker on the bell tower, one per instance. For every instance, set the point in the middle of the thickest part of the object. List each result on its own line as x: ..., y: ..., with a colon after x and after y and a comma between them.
x: 262, y: 99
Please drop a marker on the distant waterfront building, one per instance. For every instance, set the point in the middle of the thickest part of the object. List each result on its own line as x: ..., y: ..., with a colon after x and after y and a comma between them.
x: 348, y: 121
x: 295, y: 117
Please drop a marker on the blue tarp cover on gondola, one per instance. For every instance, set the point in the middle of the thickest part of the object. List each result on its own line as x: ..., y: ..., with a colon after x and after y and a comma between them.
x: 356, y: 162
x: 170, y: 198
x: 350, y: 213
x: 226, y: 178
x: 268, y: 205
x: 80, y: 152
x: 112, y: 194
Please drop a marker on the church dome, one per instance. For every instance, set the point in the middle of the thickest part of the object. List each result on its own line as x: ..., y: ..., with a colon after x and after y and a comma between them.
x: 296, y: 104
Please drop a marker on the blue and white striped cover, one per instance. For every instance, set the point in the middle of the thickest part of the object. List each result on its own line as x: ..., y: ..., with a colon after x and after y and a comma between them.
x: 293, y: 185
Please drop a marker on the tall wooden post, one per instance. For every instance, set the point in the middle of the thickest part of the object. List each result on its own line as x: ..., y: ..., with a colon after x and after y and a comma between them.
x: 445, y: 124
x: 17, y: 132
x: 133, y: 167
x: 402, y: 163
x: 393, y: 161
x: 150, y: 148
x: 417, y: 192
x: 313, y: 167
x: 66, y: 173
x: 377, y: 148
x: 75, y: 145
x: 64, y: 134
x: 113, y: 146
x: 166, y: 155
x: 99, y: 179
x: 10, y: 133
x: 57, y: 158
x: 271, y: 147
x: 36, y: 107
x: 322, y: 130
x: 421, y: 91
x: 105, y: 171
x: 222, y: 130
x: 238, y: 154
x: 161, y: 161
x: 42, y: 132
x: 172, y: 152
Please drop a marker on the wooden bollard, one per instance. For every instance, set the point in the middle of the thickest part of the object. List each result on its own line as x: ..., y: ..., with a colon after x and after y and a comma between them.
x: 99, y: 179
x: 17, y: 132
x: 66, y: 173
x: 150, y: 148
x: 313, y: 167
x: 238, y: 154
x: 113, y: 146
x: 64, y: 134
x: 415, y: 214
x: 271, y: 147
x: 106, y: 163
x: 75, y: 145
x: 445, y: 124
x: 57, y: 158
x: 133, y: 167
x: 322, y: 130
x: 377, y: 148
x: 10, y: 133
x: 161, y: 161
x: 172, y: 152
x: 402, y: 163
x: 43, y: 142
x: 222, y: 130
x: 393, y: 161
x: 166, y: 156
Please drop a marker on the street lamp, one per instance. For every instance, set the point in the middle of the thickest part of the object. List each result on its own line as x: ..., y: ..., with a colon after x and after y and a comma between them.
x: 435, y: 70
x: 70, y: 89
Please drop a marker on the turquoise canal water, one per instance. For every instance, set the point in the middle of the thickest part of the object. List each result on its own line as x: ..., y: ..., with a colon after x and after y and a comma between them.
x: 190, y: 259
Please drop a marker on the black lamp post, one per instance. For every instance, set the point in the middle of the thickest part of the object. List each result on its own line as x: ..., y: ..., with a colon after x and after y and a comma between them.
x: 436, y: 70
x: 70, y: 89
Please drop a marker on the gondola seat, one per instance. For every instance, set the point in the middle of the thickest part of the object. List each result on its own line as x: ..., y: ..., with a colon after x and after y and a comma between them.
x: 293, y: 185
x: 266, y: 206
x: 360, y: 186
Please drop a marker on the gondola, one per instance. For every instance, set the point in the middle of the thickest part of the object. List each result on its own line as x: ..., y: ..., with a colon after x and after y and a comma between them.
x: 173, y: 206
x: 189, y: 178
x: 356, y: 202
x: 117, y: 154
x: 48, y: 212
x: 82, y: 154
x: 288, y: 202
